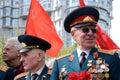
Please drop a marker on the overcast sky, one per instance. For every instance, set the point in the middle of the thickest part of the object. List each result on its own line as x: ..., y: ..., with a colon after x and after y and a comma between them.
x: 115, y: 30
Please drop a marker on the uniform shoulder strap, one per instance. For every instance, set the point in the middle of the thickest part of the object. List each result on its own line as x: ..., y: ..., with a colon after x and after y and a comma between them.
x: 20, y: 75
x: 63, y: 56
x: 3, y: 68
x: 44, y: 77
x: 111, y: 52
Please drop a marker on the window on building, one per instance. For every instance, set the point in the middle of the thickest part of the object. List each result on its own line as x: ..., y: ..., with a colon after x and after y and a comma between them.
x: 7, y: 11
x: 1, y: 3
x: 15, y: 12
x: 57, y: 2
x: 25, y: 10
x: 15, y: 2
x: 1, y: 12
x: 7, y: 2
x: 102, y: 2
x: 49, y: 5
x: 67, y: 11
x: 15, y: 22
x: 25, y: 2
x: 23, y: 22
x: 10, y: 32
x: 103, y: 14
x: 7, y: 21
x: 1, y: 22
x: 90, y: 0
x: 67, y: 2
x: 74, y: 2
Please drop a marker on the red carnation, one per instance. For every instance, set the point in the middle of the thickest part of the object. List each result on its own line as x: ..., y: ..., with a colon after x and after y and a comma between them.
x: 84, y: 75
x: 73, y: 76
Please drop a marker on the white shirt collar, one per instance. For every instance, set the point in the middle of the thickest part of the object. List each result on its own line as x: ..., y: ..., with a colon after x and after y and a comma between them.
x: 39, y: 71
x: 80, y: 51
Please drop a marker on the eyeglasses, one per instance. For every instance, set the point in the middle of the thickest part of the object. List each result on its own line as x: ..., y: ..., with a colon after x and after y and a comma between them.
x: 86, y: 30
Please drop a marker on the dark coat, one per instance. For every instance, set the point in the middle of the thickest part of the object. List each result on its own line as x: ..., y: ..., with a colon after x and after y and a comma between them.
x: 43, y: 73
x: 6, y: 73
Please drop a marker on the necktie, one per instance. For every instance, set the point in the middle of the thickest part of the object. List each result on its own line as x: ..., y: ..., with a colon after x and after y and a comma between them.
x: 83, y: 59
x: 34, y: 76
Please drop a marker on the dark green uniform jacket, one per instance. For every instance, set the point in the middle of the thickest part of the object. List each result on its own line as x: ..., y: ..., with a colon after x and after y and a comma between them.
x: 27, y: 76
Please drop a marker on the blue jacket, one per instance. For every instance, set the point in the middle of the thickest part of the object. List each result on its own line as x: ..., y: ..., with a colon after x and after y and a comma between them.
x: 71, y: 64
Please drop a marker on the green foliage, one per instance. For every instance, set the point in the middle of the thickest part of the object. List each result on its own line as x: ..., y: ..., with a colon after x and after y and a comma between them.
x: 64, y: 51
x: 67, y: 50
x: 1, y: 47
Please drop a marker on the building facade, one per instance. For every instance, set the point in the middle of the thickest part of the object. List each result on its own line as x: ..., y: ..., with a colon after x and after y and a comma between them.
x: 13, y: 15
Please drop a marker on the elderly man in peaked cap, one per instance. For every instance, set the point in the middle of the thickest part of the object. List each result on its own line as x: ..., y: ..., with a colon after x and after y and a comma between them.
x: 81, y: 24
x: 33, y: 58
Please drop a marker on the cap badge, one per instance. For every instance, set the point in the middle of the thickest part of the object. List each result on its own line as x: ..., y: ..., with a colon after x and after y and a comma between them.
x: 23, y: 45
x: 87, y: 18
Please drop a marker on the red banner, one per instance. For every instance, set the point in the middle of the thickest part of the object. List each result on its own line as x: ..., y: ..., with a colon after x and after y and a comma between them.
x: 104, y: 41
x: 40, y: 25
x: 82, y: 4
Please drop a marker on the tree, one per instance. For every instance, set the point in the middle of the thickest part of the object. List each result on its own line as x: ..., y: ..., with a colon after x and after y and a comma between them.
x: 67, y: 50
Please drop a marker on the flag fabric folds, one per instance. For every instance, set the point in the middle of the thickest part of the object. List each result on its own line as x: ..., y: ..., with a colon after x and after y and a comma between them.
x: 40, y: 25
x: 82, y: 3
x: 103, y: 41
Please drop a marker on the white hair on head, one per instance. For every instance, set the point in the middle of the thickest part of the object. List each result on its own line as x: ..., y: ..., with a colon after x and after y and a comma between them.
x: 15, y: 42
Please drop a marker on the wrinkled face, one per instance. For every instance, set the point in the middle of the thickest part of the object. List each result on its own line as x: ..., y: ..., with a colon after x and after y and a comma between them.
x: 85, y: 36
x: 10, y: 52
x: 31, y: 60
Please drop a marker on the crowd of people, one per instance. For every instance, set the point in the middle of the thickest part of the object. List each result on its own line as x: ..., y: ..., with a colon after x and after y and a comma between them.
x: 25, y: 55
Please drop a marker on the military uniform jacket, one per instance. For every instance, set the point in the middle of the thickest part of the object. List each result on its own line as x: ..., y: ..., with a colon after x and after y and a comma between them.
x: 40, y: 77
x: 6, y: 73
x: 71, y: 63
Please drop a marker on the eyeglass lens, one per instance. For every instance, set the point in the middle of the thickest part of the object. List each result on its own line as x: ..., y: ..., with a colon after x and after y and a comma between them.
x: 86, y: 30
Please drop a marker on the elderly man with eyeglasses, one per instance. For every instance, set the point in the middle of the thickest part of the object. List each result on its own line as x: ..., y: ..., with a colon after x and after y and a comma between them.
x: 87, y: 62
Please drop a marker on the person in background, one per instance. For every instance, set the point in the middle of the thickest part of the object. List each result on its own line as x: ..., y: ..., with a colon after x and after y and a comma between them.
x: 11, y: 56
x: 33, y: 58
x: 98, y: 64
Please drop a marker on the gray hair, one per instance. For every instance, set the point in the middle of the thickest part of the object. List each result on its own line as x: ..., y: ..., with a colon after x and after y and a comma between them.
x: 15, y: 42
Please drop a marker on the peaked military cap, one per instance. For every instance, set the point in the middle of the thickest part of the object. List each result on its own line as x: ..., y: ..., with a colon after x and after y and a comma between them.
x: 29, y: 42
x: 81, y: 17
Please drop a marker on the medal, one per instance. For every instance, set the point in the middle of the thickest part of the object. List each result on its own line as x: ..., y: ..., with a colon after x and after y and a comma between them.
x: 102, y: 66
x: 100, y: 76
x: 106, y: 75
x: 89, y: 63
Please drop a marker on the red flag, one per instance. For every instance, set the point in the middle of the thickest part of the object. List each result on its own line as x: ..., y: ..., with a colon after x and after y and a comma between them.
x: 103, y: 40
x: 40, y: 25
x: 82, y: 4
